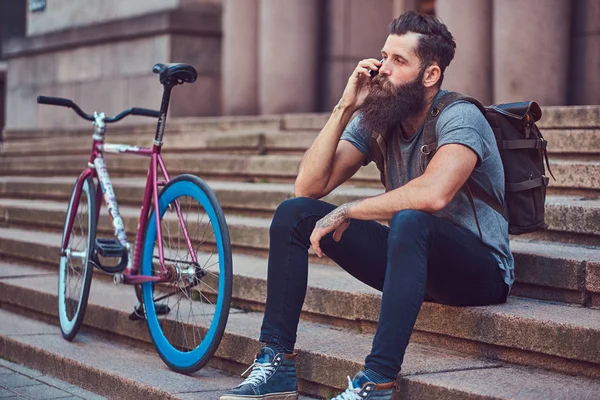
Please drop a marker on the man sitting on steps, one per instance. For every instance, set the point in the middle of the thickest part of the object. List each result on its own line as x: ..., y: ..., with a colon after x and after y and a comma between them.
x: 433, y: 248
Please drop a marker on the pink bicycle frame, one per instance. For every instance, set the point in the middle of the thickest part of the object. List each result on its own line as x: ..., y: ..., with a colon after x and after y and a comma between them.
x: 97, y: 169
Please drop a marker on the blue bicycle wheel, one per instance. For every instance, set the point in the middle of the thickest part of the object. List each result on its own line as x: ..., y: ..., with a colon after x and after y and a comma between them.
x: 187, y: 316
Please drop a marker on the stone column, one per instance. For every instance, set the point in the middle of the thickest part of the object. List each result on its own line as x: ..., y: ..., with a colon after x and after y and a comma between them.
x: 531, y: 50
x: 585, y: 61
x: 470, y: 22
x: 287, y: 76
x: 240, y: 57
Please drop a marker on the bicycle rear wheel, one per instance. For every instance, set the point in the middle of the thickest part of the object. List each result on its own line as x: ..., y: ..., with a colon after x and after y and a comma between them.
x: 187, y: 316
x: 75, y: 269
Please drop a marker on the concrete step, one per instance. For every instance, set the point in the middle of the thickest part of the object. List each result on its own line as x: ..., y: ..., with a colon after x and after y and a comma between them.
x: 556, y: 117
x: 232, y: 142
x: 572, y: 142
x: 146, y: 127
x: 543, y: 334
x: 544, y: 270
x: 571, y: 216
x: 582, y: 175
x: 570, y: 117
x: 101, y: 364
x: 326, y: 354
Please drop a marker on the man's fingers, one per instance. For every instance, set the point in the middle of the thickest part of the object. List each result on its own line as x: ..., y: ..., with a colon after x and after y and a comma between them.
x: 370, y: 63
x: 361, y: 71
x: 315, y: 242
x: 337, y: 235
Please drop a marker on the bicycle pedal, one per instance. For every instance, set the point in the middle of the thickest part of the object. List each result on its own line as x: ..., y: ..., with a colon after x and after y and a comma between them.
x: 110, y: 248
x: 138, y: 313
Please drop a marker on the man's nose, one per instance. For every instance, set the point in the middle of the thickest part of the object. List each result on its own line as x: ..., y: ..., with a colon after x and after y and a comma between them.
x: 384, y: 69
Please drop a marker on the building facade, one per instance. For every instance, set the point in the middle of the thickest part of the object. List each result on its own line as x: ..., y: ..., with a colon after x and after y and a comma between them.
x: 286, y: 56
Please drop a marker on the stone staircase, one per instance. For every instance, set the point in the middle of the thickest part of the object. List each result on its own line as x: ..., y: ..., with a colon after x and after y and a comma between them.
x: 544, y: 343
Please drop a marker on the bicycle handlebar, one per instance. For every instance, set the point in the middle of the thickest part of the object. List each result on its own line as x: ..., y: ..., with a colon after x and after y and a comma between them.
x: 59, y: 101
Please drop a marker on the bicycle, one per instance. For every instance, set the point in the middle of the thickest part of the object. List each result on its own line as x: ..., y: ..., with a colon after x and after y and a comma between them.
x: 163, y: 267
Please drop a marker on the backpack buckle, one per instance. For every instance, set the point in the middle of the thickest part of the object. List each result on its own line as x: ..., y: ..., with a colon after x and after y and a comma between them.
x: 425, y: 150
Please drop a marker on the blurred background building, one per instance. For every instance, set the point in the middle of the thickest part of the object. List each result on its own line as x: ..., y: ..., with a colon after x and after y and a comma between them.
x: 278, y: 56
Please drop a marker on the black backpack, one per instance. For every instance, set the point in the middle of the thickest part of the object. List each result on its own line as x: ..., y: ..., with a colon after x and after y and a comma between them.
x: 522, y: 150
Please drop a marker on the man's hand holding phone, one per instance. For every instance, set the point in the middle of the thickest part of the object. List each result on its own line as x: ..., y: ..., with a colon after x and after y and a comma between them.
x: 356, y: 89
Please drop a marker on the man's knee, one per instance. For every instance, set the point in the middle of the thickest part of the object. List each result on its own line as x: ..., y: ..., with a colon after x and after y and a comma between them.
x: 288, y: 212
x: 410, y: 222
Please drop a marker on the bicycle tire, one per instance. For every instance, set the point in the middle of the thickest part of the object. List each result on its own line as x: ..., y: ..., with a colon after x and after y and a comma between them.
x: 180, y: 357
x: 70, y: 316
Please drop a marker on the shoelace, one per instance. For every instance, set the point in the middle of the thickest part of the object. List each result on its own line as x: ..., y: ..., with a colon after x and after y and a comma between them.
x: 350, y: 394
x: 260, y: 373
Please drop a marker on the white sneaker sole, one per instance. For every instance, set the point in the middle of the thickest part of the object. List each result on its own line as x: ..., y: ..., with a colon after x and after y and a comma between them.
x: 273, y: 396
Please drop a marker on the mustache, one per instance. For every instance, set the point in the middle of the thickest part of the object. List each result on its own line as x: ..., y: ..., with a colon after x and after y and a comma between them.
x: 380, y: 86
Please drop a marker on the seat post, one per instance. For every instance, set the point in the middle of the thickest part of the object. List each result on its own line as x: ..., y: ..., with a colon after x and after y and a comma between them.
x: 164, y: 107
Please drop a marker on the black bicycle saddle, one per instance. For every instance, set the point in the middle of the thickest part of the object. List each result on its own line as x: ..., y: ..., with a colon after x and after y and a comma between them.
x: 175, y: 74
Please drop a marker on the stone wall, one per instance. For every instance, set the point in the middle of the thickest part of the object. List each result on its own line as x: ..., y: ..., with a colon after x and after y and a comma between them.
x: 283, y: 56
x: 107, y: 66
x: 66, y: 14
x: 12, y: 23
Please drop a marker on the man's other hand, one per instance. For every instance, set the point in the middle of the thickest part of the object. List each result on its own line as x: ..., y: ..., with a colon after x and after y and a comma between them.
x: 337, y: 221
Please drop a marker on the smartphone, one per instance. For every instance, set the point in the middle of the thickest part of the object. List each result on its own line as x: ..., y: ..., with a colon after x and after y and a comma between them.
x: 374, y: 73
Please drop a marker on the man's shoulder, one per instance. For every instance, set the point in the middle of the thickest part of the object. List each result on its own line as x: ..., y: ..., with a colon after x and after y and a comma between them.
x: 462, y: 108
x: 461, y: 113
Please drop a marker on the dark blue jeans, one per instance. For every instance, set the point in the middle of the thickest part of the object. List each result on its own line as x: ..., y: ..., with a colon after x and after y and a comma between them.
x: 418, y: 257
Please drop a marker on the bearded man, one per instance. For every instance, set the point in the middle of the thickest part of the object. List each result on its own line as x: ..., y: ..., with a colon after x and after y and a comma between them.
x: 432, y: 248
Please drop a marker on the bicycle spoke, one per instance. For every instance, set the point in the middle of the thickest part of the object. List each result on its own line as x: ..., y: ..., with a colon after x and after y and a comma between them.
x: 75, y: 264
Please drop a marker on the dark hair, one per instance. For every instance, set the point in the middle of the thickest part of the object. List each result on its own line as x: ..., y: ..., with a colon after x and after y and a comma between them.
x: 436, y: 43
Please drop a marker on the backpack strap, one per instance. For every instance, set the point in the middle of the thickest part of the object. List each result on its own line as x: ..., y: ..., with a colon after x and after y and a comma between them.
x: 430, y: 146
x: 429, y: 137
x: 378, y: 150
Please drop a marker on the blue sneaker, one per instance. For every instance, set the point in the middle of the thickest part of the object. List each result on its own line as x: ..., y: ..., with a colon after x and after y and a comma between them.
x: 361, y: 389
x: 273, y: 377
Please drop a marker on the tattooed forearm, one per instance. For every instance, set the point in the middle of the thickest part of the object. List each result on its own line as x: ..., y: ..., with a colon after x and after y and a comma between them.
x: 337, y: 216
x: 334, y: 218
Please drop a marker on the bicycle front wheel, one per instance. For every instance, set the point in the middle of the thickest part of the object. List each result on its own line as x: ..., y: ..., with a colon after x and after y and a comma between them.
x: 75, y: 269
x: 187, y: 316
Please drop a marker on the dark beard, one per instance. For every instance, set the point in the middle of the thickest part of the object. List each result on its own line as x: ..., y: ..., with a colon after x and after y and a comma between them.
x: 386, y: 105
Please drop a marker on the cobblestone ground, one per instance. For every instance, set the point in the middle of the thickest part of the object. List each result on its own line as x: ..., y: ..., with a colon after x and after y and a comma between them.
x: 19, y: 382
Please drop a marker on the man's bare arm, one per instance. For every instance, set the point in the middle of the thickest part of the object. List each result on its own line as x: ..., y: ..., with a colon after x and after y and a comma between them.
x: 317, y: 165
x: 431, y: 192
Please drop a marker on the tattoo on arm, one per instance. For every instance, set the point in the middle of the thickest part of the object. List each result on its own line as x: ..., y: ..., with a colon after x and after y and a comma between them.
x: 338, y: 107
x: 337, y: 216
x: 334, y: 218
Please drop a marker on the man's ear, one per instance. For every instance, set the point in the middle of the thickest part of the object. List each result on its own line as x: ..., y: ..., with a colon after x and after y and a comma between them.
x: 432, y: 75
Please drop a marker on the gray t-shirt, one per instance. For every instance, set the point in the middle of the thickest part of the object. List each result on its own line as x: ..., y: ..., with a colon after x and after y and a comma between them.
x: 461, y: 123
